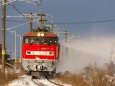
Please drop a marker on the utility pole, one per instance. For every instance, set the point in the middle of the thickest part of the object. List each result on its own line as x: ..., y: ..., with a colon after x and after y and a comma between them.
x: 20, y: 47
x: 3, y: 34
x: 75, y: 37
x: 66, y: 48
x: 112, y: 53
x: 30, y: 22
x: 111, y: 67
x: 65, y: 36
x: 42, y: 20
x: 15, y: 45
x: 52, y: 27
x: 10, y: 51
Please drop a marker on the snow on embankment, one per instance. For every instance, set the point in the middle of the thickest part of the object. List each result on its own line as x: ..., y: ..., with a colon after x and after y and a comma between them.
x: 26, y: 81
x: 75, y: 55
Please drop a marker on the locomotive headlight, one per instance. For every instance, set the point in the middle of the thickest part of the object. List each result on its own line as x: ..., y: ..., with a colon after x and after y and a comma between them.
x: 42, y: 34
x: 38, y: 34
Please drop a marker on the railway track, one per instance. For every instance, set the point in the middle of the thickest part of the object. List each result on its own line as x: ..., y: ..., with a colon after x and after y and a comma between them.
x: 27, y: 80
x: 37, y: 82
x: 53, y: 82
x: 8, y: 65
x: 9, y: 68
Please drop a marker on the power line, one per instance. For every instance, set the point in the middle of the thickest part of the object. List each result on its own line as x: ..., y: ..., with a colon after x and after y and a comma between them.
x: 100, y: 21
x: 15, y: 21
x: 40, y: 4
x: 17, y: 10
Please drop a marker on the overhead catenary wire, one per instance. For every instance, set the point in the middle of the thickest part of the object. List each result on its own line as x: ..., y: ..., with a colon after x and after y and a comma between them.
x: 11, y: 1
x: 15, y: 21
x: 17, y: 10
x: 40, y: 4
x: 87, y: 22
x: 22, y: 13
x: 8, y: 2
x: 20, y: 25
x: 17, y: 26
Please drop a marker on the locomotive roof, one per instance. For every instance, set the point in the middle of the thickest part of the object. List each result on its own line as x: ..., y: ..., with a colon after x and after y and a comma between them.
x: 51, y: 34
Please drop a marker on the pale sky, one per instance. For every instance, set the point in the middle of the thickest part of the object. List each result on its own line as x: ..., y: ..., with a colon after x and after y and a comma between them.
x: 67, y: 11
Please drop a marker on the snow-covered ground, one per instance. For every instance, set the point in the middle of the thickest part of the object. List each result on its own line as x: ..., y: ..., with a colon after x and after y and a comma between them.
x: 26, y: 81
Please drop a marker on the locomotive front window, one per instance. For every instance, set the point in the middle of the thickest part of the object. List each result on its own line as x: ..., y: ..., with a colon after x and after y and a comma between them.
x: 49, y: 40
x: 26, y: 40
x: 40, y: 40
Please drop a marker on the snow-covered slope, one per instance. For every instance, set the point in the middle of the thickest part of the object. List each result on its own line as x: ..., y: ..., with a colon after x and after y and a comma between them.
x: 26, y: 81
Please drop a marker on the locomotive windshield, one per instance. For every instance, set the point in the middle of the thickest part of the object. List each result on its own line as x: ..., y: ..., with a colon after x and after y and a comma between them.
x: 42, y: 40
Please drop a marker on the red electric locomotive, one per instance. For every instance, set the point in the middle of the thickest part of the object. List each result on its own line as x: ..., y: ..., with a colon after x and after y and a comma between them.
x: 40, y: 52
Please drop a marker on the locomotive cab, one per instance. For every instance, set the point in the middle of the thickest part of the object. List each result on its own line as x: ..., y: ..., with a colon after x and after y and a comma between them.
x: 40, y: 52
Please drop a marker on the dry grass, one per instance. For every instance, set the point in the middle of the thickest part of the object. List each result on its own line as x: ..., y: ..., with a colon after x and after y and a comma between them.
x: 10, y: 76
x: 4, y: 80
x: 19, y: 66
x: 94, y: 77
x: 73, y: 79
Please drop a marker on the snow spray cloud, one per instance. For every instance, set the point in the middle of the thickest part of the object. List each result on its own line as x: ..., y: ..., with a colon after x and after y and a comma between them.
x: 75, y: 55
